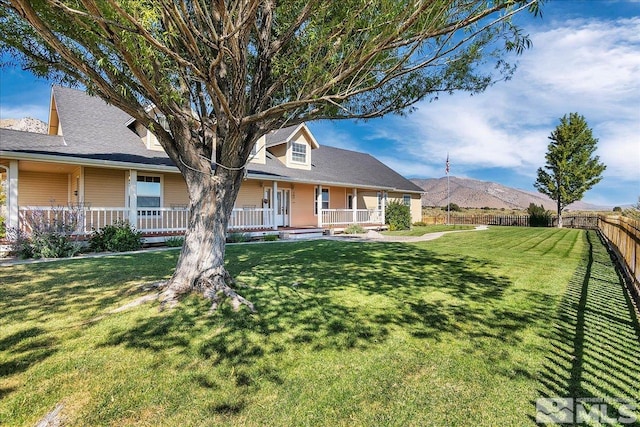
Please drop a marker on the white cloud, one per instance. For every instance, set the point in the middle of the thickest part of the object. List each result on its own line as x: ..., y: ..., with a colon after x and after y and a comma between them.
x: 585, y: 66
x: 589, y: 67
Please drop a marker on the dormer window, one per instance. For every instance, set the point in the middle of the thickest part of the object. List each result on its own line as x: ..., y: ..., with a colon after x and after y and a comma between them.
x: 162, y: 120
x: 298, y: 152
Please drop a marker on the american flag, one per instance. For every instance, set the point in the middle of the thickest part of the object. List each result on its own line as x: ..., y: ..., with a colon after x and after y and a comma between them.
x: 446, y: 169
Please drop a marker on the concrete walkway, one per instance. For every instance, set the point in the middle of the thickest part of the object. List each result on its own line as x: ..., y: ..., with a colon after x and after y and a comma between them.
x: 374, y: 236
x: 370, y: 236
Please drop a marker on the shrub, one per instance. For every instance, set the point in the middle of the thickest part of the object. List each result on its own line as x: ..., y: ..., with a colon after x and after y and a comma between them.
x: 118, y: 237
x: 617, y: 209
x: 270, y: 237
x: 452, y: 208
x: 174, y: 242
x: 237, y: 237
x: 52, y: 234
x: 420, y: 224
x: 354, y: 229
x: 398, y: 216
x: 538, y: 216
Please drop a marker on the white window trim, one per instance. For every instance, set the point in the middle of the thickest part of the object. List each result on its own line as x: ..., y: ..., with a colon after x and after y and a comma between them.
x: 315, y: 200
x: 306, y: 153
x: 138, y: 207
x: 404, y: 199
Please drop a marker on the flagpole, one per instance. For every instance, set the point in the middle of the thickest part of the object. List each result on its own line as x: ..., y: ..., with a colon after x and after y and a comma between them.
x: 448, y: 192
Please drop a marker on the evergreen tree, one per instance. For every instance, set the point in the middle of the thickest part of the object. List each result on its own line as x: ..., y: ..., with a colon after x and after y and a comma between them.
x: 571, y: 167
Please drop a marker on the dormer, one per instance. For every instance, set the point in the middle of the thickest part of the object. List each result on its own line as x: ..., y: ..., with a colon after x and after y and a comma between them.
x: 258, y: 152
x: 54, y: 121
x: 148, y: 137
x: 292, y: 146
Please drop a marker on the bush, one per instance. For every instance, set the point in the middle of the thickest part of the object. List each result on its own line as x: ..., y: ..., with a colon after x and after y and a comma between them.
x: 237, y: 237
x: 452, y: 208
x: 270, y: 237
x: 398, y: 216
x: 617, y: 209
x: 420, y: 224
x: 174, y: 242
x: 118, y: 237
x: 354, y: 229
x: 52, y: 234
x: 538, y: 216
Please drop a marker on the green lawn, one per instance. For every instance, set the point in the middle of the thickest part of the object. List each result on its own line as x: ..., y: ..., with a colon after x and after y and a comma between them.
x: 468, y: 329
x: 424, y: 229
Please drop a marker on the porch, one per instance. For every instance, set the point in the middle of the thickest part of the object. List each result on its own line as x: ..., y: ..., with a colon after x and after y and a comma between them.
x: 163, y: 221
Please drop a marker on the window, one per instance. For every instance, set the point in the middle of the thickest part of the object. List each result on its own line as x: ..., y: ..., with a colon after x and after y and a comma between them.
x: 298, y: 152
x: 149, y: 194
x: 406, y: 199
x: 164, y: 123
x: 325, y: 200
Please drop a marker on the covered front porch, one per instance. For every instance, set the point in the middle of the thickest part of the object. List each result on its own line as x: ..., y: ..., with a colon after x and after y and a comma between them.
x: 87, y: 198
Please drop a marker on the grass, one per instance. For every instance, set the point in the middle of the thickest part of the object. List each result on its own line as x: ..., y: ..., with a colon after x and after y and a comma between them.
x: 468, y: 329
x: 424, y: 229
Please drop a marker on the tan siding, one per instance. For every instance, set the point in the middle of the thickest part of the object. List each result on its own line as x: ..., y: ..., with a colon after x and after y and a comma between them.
x: 104, y: 187
x: 367, y: 200
x: 338, y: 197
x: 175, y: 190
x: 43, y: 189
x: 302, y: 201
x: 250, y: 195
x: 416, y: 208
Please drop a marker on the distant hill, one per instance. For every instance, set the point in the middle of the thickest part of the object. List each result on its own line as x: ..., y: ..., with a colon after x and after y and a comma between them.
x: 471, y: 193
x: 26, y: 124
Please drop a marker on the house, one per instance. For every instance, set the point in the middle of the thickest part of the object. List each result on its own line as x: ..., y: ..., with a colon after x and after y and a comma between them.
x: 98, y: 162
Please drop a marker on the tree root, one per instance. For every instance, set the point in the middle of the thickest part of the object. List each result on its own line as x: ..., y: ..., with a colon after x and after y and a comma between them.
x: 215, y: 286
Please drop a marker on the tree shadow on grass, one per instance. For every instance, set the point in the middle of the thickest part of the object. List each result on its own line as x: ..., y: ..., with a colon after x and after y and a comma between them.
x: 83, y: 287
x: 23, y: 349
x: 338, y: 296
x: 595, y: 340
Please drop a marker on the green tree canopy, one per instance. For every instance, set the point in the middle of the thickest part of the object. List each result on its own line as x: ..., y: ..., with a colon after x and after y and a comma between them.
x: 224, y: 73
x: 571, y: 168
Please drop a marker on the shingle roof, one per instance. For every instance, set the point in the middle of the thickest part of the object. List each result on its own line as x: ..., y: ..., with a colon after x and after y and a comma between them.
x: 95, y: 130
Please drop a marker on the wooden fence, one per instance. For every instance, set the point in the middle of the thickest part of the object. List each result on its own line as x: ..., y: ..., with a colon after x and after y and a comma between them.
x: 624, y: 236
x: 569, y: 221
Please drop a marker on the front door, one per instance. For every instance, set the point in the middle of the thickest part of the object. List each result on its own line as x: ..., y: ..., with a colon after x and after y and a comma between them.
x: 282, y: 208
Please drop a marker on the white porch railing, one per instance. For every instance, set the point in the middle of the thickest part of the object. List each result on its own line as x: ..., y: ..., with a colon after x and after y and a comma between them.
x: 83, y: 220
x: 346, y: 216
x: 251, y: 218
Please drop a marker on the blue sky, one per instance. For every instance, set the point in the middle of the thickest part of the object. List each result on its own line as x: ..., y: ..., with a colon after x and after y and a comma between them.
x: 585, y: 58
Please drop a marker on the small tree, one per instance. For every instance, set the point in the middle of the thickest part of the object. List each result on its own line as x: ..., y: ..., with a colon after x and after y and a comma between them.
x: 571, y: 167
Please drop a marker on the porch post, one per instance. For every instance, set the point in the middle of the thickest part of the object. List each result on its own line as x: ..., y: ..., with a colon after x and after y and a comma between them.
x: 319, y: 205
x: 274, y: 199
x: 133, y: 198
x: 12, y: 195
x: 354, y: 204
x: 384, y: 207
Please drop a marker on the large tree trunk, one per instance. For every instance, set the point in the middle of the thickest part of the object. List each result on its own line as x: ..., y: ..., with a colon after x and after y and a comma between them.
x: 200, y: 267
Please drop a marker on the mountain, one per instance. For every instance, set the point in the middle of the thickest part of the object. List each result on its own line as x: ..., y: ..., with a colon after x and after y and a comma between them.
x: 471, y: 193
x: 27, y: 124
